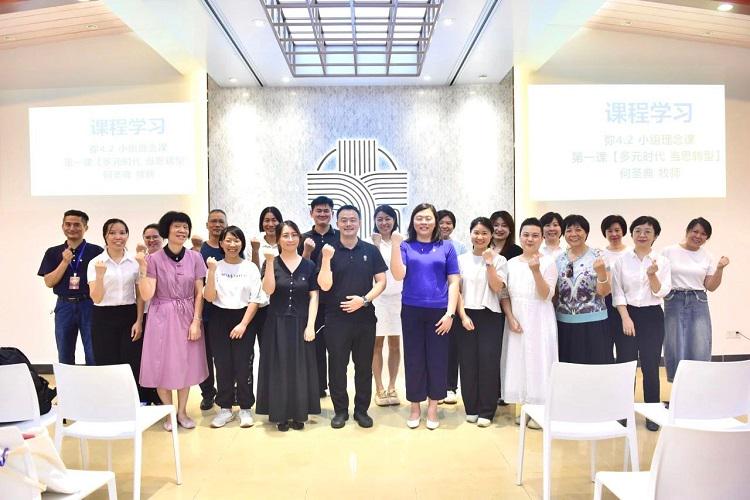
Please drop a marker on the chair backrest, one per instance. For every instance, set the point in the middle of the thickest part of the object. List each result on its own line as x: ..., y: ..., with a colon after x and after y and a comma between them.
x: 96, y: 393
x: 706, y: 390
x: 18, y: 399
x: 590, y: 393
x: 698, y: 464
x: 20, y: 464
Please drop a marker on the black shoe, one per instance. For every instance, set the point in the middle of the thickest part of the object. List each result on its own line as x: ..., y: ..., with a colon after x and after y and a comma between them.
x: 500, y: 402
x: 363, y: 419
x: 666, y: 404
x: 297, y: 426
x: 652, y: 426
x: 207, y: 403
x: 283, y: 426
x: 339, y: 420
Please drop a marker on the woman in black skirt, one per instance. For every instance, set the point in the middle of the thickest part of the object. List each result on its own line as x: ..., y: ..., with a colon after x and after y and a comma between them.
x: 287, y: 378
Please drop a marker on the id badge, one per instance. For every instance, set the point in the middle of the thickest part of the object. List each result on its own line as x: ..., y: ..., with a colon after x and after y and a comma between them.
x: 75, y: 283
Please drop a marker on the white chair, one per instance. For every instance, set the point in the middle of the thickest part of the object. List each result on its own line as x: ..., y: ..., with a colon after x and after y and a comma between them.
x: 103, y: 403
x: 25, y: 483
x: 688, y: 464
x: 584, y: 403
x: 20, y: 406
x: 705, y: 395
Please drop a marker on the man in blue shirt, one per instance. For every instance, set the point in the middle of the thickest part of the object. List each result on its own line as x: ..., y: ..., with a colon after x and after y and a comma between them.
x: 64, y: 270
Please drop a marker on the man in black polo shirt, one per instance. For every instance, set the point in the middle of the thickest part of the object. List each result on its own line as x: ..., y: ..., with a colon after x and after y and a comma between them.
x: 348, y: 269
x: 311, y: 242
x: 64, y: 270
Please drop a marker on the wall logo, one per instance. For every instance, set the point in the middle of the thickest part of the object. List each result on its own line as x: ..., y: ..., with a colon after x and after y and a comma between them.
x: 360, y: 173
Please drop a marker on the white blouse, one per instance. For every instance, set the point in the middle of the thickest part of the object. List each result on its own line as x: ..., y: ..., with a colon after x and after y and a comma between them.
x: 393, y: 287
x: 610, y: 256
x: 266, y: 246
x: 630, y: 284
x: 475, y: 290
x: 120, y: 279
x: 237, y: 285
x: 689, y: 268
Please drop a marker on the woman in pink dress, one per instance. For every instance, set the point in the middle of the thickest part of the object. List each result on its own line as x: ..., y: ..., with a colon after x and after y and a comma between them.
x: 174, y: 351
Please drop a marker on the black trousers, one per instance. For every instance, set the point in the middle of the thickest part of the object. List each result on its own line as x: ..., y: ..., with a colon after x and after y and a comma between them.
x: 453, y: 358
x: 614, y: 322
x: 208, y: 388
x: 320, y: 347
x: 256, y: 329
x: 233, y: 372
x: 110, y: 335
x: 478, y: 352
x: 645, y: 346
x: 350, y: 335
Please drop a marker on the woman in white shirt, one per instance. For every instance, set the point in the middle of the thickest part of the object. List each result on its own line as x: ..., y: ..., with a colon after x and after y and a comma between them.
x: 551, y: 232
x: 483, y: 276
x: 116, y: 318
x: 614, y: 228
x: 640, y: 279
x: 233, y: 285
x: 687, y: 322
x: 388, y: 312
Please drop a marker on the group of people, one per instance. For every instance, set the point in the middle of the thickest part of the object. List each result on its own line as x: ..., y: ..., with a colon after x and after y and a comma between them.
x: 496, y: 312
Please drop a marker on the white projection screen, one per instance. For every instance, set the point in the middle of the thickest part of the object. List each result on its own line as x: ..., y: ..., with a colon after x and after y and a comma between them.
x: 127, y: 149
x: 593, y: 142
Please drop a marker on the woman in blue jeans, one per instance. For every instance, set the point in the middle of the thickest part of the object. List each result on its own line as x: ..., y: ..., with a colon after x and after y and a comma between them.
x: 687, y: 322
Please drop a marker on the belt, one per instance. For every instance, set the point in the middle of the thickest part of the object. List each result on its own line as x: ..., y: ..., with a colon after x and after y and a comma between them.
x: 73, y: 298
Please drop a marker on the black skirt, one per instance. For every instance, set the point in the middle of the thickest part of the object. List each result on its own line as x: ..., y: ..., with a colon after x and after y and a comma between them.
x: 584, y: 343
x: 287, y: 375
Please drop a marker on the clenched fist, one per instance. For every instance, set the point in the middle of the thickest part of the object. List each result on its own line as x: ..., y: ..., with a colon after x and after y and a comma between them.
x: 534, y: 263
x: 327, y: 251
x: 67, y: 255
x: 377, y: 239
x: 211, y: 264
x: 101, y: 267
x: 396, y: 239
x: 488, y: 255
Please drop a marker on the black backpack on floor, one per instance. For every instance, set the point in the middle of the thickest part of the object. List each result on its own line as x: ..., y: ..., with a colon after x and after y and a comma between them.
x: 12, y: 356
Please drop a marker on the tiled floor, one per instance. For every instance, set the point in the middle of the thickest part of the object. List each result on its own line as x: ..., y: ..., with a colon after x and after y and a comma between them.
x: 457, y: 461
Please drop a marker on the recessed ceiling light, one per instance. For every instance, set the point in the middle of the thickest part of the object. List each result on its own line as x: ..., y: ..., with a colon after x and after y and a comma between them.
x: 627, y: 23
x: 246, y: 94
x: 285, y: 79
x: 232, y: 80
x: 421, y: 92
x: 725, y: 7
x: 448, y: 21
x: 9, y: 38
x: 707, y: 33
x: 427, y: 78
x: 91, y: 26
x: 259, y: 23
x: 482, y: 77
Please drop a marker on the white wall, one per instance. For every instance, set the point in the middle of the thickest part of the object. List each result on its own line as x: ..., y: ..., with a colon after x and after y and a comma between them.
x: 121, y: 70
x: 595, y: 56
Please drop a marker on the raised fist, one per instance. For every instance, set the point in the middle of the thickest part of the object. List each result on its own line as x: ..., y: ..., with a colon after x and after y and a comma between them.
x: 534, y: 263
x: 140, y: 247
x: 396, y: 239
x: 268, y: 254
x: 67, y: 255
x: 599, y: 265
x: 101, y: 267
x: 723, y: 262
x: 309, y: 243
x: 140, y: 258
x: 327, y: 251
x: 652, y: 269
x: 377, y: 239
x: 211, y: 264
x: 488, y: 255
x: 255, y: 244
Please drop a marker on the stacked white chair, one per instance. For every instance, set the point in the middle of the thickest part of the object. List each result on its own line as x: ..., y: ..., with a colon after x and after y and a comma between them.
x: 584, y: 403
x: 20, y: 406
x: 102, y: 402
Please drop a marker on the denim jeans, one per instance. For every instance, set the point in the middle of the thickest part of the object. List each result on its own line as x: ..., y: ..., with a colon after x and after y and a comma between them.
x: 687, y: 328
x: 70, y: 317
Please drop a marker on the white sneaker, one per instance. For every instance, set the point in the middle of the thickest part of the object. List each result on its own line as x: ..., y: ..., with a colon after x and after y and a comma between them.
x: 221, y: 419
x: 472, y: 419
x: 450, y: 398
x: 246, y: 418
x: 484, y: 422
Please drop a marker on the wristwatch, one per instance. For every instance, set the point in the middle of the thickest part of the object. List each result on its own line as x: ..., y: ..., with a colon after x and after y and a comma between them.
x: 366, y: 301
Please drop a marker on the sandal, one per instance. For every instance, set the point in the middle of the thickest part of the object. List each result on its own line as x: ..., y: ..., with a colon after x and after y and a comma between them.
x: 393, y: 398
x: 168, y: 425
x: 381, y: 398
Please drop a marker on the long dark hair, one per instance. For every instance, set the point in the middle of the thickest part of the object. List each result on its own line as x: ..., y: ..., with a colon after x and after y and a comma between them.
x: 413, y: 232
x: 390, y: 212
x: 508, y: 219
x: 108, y: 225
x: 272, y: 210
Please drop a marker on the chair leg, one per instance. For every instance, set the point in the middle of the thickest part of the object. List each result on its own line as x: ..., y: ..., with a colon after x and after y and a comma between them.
x: 109, y: 455
x: 84, y: 444
x: 598, y: 489
x: 633, y: 443
x: 138, y: 454
x: 521, y: 444
x: 626, y: 454
x: 58, y: 434
x: 176, y: 447
x: 593, y: 460
x: 112, y: 488
x: 546, y: 465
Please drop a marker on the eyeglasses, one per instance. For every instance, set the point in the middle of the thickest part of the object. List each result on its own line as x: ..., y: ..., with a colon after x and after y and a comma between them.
x: 569, y: 270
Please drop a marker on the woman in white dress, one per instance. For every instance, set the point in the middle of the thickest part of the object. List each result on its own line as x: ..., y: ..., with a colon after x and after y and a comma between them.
x: 387, y: 311
x: 531, y: 344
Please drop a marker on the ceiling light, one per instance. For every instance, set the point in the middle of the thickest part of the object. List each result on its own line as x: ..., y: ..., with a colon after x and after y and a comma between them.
x: 482, y: 77
x: 627, y: 23
x: 232, y: 80
x: 246, y: 95
x: 448, y: 21
x: 91, y: 26
x: 427, y: 78
x: 9, y: 38
x: 285, y: 79
x: 421, y: 92
x: 259, y: 23
x: 707, y: 33
x: 725, y: 7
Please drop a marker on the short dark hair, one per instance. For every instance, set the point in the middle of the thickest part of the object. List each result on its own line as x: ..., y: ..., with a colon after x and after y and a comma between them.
x: 646, y: 219
x: 484, y: 221
x: 170, y: 218
x: 576, y: 220
x: 348, y: 207
x: 390, y: 212
x: 321, y: 200
x: 508, y: 219
x: 77, y: 213
x: 237, y: 233
x: 272, y: 210
x: 289, y: 223
x: 547, y: 219
x: 222, y: 212
x: 412, y: 232
x: 153, y: 225
x: 533, y: 221
x: 700, y: 221
x: 447, y: 213
x: 614, y: 219
x: 111, y: 222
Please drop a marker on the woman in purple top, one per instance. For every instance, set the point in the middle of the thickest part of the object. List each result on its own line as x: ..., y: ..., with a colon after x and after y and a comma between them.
x: 174, y: 351
x: 429, y: 268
